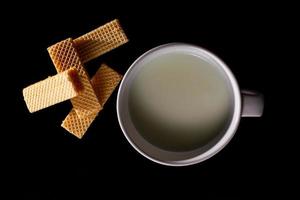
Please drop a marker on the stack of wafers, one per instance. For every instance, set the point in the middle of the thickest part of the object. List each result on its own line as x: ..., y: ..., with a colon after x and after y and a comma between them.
x: 72, y: 82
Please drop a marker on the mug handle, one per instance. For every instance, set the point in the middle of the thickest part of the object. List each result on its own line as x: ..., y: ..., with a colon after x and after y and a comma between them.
x: 253, y: 103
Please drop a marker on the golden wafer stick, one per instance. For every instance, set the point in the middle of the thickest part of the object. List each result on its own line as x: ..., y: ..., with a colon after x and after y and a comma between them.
x: 53, y: 90
x: 101, y: 40
x: 64, y: 56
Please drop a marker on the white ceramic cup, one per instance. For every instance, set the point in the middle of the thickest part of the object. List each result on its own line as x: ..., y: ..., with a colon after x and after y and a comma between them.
x: 246, y: 104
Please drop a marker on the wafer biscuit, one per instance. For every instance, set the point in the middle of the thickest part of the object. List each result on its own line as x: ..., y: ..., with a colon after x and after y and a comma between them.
x: 104, y: 82
x: 64, y: 55
x: 53, y: 90
x: 99, y: 41
x: 77, y: 126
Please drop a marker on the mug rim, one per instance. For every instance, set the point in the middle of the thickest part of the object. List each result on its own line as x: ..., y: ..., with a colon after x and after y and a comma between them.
x: 229, y: 132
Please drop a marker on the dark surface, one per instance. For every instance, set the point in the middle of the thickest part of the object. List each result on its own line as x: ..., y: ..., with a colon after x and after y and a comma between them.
x: 46, y: 160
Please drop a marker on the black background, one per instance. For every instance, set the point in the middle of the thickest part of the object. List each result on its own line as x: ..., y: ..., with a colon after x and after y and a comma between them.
x: 46, y: 161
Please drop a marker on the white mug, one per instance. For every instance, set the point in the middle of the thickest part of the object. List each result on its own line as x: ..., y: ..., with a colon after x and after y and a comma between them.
x: 246, y: 104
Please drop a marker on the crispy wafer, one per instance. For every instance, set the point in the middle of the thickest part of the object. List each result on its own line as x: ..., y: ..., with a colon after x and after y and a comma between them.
x: 104, y: 82
x: 99, y: 41
x: 64, y: 56
x: 53, y: 90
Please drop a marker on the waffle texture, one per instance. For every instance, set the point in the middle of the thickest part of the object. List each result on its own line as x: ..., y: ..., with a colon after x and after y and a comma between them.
x: 101, y: 40
x: 52, y: 90
x: 64, y: 56
x: 104, y: 82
